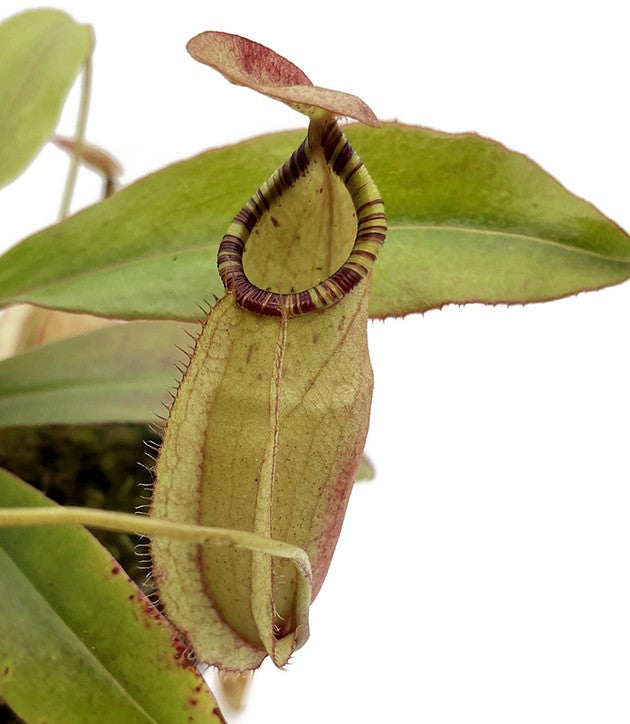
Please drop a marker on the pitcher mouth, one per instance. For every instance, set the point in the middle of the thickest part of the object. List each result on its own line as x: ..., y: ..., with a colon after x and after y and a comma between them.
x: 370, y: 236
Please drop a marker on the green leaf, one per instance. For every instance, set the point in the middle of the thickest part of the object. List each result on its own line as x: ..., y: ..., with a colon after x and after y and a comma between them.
x: 469, y: 221
x: 41, y: 53
x: 472, y: 221
x: 78, y: 641
x: 166, y: 226
x: 120, y: 373
x: 366, y: 469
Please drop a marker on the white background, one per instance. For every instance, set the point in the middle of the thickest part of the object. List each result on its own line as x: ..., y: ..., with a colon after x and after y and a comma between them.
x: 483, y: 576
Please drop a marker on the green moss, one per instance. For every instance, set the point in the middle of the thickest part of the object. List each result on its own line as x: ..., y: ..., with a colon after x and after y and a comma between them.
x: 94, y: 466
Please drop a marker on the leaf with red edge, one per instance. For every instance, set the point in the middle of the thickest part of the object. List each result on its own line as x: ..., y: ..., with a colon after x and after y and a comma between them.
x: 244, y: 62
x: 78, y: 640
x: 469, y: 220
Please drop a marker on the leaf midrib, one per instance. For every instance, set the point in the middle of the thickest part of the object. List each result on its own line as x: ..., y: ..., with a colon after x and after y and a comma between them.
x: 565, y: 246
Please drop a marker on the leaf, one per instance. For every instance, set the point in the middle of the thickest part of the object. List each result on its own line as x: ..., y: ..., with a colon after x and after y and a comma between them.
x: 247, y: 63
x: 366, y: 470
x: 469, y: 221
x: 472, y: 221
x: 77, y: 638
x: 41, y: 53
x: 24, y: 326
x: 116, y: 374
x: 92, y: 156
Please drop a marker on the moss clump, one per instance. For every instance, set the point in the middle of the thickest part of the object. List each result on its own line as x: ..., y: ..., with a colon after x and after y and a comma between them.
x: 94, y: 466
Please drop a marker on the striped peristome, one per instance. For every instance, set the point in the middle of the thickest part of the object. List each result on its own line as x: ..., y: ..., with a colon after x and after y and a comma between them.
x: 371, y: 229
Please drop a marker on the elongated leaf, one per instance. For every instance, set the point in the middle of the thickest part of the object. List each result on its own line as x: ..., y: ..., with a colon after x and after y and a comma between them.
x: 469, y: 221
x: 472, y: 221
x: 78, y: 641
x: 118, y: 374
x: 41, y: 52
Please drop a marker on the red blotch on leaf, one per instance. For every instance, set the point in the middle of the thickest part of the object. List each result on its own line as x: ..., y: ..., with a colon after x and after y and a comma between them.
x: 257, y: 59
x: 245, y: 62
x: 180, y: 649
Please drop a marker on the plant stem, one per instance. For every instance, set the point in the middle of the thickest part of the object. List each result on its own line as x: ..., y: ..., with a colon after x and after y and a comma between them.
x: 79, y: 138
x: 144, y: 525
